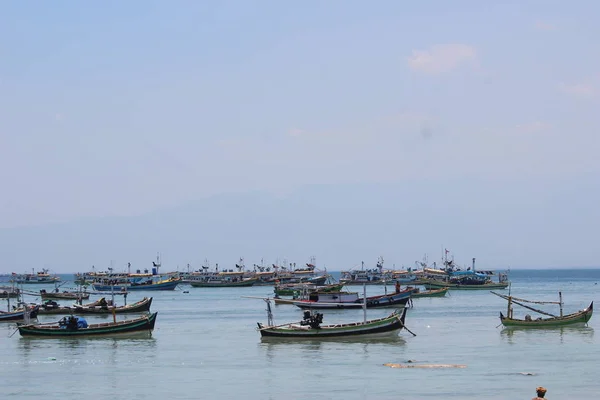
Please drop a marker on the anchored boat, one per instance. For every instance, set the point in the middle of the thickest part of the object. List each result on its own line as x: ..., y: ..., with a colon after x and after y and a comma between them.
x: 102, y: 307
x: 78, y: 327
x: 19, y: 314
x: 344, y: 300
x: 310, y: 327
x: 576, y: 318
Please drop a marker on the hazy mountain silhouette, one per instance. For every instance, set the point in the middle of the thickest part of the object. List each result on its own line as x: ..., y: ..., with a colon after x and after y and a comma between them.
x: 502, y: 224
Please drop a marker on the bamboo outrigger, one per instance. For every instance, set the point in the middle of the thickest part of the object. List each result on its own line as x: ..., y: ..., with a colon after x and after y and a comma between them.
x: 577, y: 318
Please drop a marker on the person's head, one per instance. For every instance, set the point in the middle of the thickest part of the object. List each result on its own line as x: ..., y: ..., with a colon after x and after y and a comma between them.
x: 541, y: 392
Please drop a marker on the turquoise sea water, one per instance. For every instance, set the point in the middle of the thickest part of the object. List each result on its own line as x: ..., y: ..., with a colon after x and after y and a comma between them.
x: 206, y: 346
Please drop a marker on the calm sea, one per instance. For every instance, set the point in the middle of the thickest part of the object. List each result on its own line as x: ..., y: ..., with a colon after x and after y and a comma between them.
x: 205, y: 346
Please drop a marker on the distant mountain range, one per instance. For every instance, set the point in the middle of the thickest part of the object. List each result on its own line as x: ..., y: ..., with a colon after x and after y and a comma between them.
x: 502, y: 224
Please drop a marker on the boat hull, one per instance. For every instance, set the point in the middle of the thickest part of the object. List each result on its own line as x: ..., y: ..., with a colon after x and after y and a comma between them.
x: 65, y: 296
x: 170, y: 285
x: 580, y: 318
x: 393, y: 300
x: 431, y: 293
x: 138, y: 326
x: 384, y: 327
x: 138, y: 307
x: 283, y: 291
x: 457, y: 286
x: 18, y: 315
x: 244, y: 283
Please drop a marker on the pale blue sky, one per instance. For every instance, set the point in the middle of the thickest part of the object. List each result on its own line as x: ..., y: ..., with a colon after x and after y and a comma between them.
x: 121, y: 108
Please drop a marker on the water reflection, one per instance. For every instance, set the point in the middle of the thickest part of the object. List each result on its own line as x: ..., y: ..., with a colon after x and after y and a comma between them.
x: 513, y: 334
x: 315, y: 347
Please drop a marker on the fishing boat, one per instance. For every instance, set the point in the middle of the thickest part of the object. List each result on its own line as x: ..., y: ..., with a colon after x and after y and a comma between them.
x: 292, y: 289
x: 416, y: 292
x: 310, y: 327
x: 19, y: 314
x: 65, y: 295
x: 72, y: 326
x: 350, y: 300
x: 371, y: 276
x: 42, y: 276
x: 221, y: 279
x: 9, y: 292
x: 561, y: 320
x: 466, y: 280
x: 434, y: 284
x: 100, y: 307
x: 106, y: 285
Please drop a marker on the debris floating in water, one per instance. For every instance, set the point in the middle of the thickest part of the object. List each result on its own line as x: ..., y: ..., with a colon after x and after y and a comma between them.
x: 393, y: 365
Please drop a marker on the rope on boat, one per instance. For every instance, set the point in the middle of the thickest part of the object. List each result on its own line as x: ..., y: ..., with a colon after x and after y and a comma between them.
x: 528, y: 307
x: 409, y: 331
x: 534, y: 309
x: 526, y: 301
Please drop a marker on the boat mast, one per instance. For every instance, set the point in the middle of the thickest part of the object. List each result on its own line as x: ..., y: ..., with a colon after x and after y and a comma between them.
x: 560, y: 303
x: 365, y: 302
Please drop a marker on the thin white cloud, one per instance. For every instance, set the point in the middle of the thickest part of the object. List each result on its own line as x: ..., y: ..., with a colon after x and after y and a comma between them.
x: 533, y: 127
x: 441, y: 58
x: 544, y: 26
x: 296, y: 132
x: 578, y: 89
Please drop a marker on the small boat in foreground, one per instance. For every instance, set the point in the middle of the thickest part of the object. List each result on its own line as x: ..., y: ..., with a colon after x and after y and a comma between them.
x: 78, y: 327
x: 574, y: 319
x: 310, y: 327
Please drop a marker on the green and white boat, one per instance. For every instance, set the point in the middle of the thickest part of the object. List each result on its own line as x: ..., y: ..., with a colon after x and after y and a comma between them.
x: 310, y: 327
x: 429, y: 293
x: 578, y: 318
x: 72, y: 326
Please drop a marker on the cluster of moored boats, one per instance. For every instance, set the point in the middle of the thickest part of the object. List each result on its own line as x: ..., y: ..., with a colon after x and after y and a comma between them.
x: 306, y: 288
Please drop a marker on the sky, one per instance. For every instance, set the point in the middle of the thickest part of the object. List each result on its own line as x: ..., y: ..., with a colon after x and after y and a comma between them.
x: 119, y: 109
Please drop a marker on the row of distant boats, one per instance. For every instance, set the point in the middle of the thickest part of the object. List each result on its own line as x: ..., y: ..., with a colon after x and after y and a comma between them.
x: 309, y: 296
x: 448, y: 275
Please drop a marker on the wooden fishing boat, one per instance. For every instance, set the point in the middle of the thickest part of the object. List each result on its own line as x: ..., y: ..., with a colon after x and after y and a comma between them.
x: 296, y: 289
x: 436, y: 284
x: 351, y: 300
x: 18, y: 314
x: 77, y: 327
x: 310, y: 327
x: 35, y: 278
x: 428, y: 293
x: 98, y: 307
x: 65, y: 295
x: 106, y: 285
x: 219, y: 281
x: 574, y: 319
x: 8, y: 292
